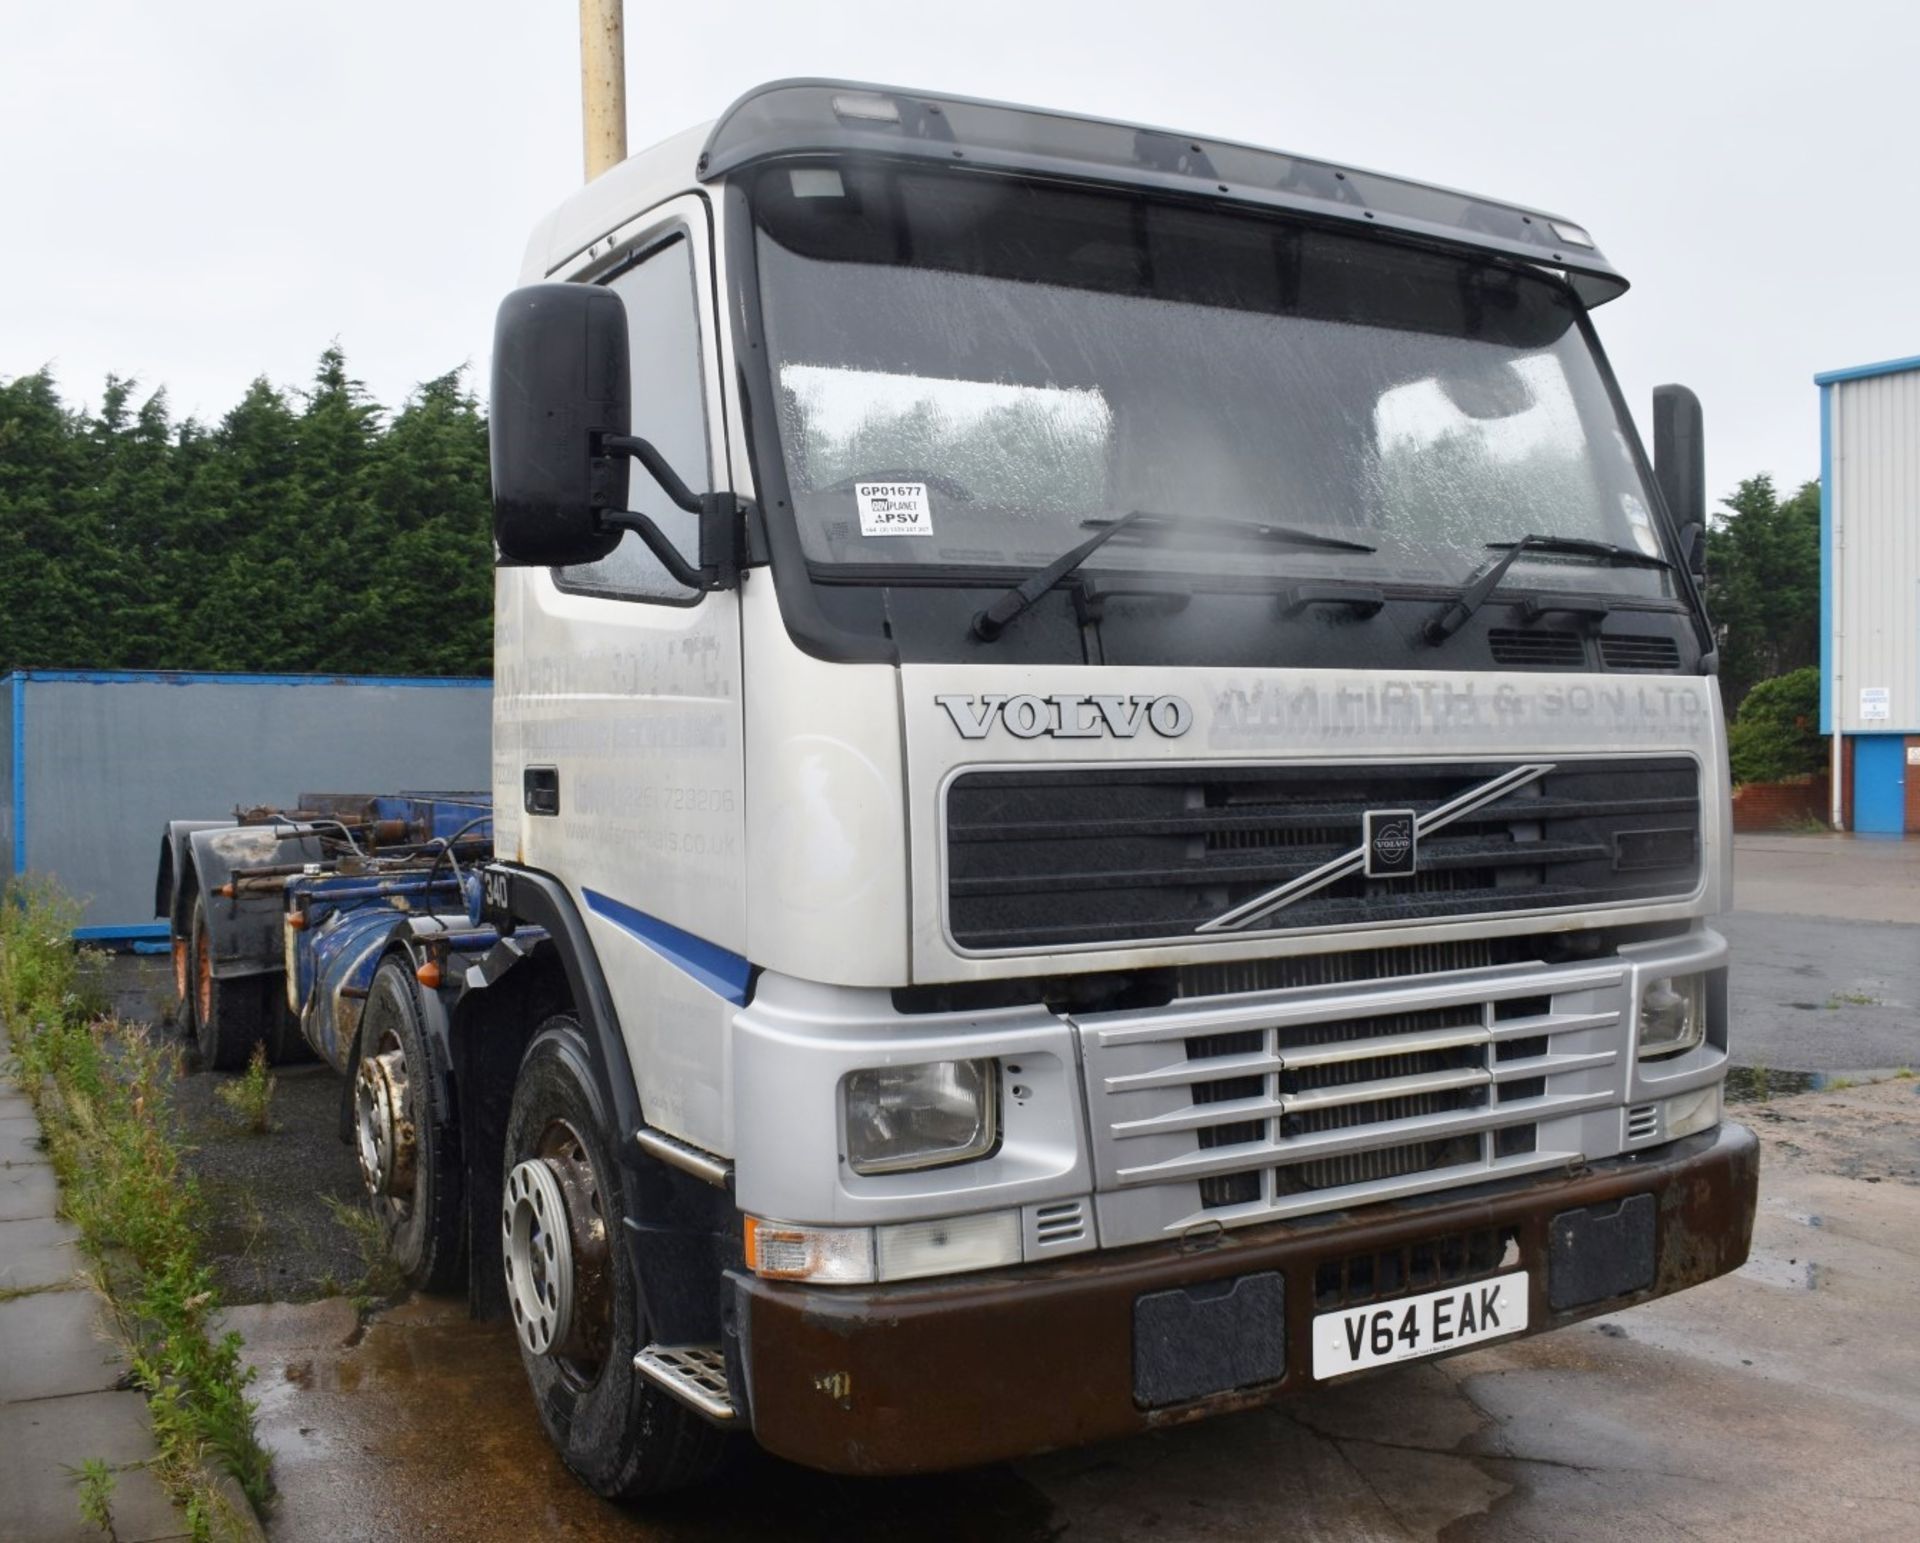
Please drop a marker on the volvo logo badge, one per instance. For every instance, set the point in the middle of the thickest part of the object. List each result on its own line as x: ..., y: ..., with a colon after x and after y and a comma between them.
x: 1391, y: 843
x: 1068, y: 715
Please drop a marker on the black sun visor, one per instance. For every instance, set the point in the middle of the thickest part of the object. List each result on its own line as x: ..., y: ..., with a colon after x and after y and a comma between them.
x: 824, y: 117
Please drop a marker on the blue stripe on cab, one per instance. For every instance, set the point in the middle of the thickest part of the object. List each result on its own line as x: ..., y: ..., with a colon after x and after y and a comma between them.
x: 723, y: 973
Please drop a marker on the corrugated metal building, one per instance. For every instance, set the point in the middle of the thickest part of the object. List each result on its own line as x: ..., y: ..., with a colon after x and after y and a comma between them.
x: 97, y: 762
x: 1870, y: 591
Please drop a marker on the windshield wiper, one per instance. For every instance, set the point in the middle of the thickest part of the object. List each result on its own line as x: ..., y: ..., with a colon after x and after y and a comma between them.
x: 1474, y: 592
x: 990, y: 623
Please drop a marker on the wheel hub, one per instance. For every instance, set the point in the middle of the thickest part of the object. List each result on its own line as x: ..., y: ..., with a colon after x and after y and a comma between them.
x: 386, y: 1139
x: 539, y: 1256
x: 554, y: 1250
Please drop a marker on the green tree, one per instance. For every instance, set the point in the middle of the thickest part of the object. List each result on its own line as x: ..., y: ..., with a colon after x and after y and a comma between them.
x: 302, y: 532
x: 1777, y: 733
x: 1763, y: 584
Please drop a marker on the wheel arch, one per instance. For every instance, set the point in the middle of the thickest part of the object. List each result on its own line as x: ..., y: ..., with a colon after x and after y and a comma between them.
x: 244, y: 931
x: 687, y: 1222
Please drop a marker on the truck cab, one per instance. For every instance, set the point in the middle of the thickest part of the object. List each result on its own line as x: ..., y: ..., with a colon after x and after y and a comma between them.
x: 1115, y: 743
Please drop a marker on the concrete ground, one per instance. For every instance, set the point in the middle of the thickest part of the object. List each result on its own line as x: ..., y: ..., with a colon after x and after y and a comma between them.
x: 1826, y: 953
x: 61, y: 1400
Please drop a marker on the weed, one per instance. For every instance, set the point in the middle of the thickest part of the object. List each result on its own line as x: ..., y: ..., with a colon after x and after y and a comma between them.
x: 1841, y: 1084
x: 102, y: 1090
x: 381, y: 1277
x: 13, y: 1293
x: 1762, y: 1085
x: 250, y: 1095
x: 1808, y: 825
x: 1905, y: 1074
x: 97, y: 1483
x: 1841, y: 999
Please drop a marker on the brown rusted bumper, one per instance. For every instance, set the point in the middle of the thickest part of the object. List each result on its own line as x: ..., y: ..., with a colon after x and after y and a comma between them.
x: 931, y: 1375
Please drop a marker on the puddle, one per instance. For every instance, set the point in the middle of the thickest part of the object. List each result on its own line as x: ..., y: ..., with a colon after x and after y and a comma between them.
x: 1757, y: 1084
x: 422, y: 1424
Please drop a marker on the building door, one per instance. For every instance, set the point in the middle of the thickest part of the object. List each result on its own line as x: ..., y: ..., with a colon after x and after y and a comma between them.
x: 1879, y: 783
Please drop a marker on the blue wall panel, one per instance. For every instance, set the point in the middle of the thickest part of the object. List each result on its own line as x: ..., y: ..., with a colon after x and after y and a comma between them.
x: 102, y: 760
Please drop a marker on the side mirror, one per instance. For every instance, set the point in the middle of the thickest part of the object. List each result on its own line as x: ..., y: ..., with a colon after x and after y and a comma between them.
x: 560, y: 386
x: 1680, y: 467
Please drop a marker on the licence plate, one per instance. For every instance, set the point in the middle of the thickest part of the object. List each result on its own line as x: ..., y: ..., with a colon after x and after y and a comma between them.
x: 1409, y: 1327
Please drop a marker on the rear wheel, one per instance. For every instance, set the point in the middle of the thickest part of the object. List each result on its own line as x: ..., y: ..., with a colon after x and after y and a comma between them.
x: 571, y: 1286
x: 229, y: 1016
x: 185, y: 978
x: 285, y: 1042
x: 408, y: 1148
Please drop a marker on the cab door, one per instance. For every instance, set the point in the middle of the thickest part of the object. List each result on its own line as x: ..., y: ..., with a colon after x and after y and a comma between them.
x: 617, y: 710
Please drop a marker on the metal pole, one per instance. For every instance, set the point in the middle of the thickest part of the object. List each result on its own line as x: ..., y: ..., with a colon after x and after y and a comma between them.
x: 1836, y: 757
x: 603, y: 84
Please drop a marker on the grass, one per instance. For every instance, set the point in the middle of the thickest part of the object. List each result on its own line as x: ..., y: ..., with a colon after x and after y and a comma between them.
x: 1808, y: 825
x: 97, y: 1482
x: 1840, y: 999
x: 250, y: 1095
x: 381, y: 1277
x: 102, y: 1091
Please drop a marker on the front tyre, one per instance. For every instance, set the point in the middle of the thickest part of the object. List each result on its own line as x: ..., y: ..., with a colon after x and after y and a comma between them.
x: 571, y: 1287
x: 404, y: 1137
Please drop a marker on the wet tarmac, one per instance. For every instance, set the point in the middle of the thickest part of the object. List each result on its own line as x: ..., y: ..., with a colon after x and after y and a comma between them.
x: 1783, y: 1401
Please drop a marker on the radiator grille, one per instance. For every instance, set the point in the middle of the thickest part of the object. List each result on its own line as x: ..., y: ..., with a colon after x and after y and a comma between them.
x: 1046, y: 859
x: 1333, y: 1099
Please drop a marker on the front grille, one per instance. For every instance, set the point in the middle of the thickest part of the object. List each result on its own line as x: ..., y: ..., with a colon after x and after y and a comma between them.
x: 1242, y: 1110
x: 1637, y: 651
x: 1046, y: 859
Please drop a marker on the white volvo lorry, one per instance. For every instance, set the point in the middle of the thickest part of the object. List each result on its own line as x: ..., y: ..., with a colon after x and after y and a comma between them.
x: 1108, y: 796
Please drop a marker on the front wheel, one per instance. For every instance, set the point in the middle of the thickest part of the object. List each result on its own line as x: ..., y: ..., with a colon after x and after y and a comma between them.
x: 571, y: 1287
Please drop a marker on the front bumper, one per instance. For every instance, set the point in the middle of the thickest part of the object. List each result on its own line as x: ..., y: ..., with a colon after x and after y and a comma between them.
x: 932, y: 1375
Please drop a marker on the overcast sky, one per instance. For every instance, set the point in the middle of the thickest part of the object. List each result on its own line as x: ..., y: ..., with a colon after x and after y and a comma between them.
x: 200, y: 192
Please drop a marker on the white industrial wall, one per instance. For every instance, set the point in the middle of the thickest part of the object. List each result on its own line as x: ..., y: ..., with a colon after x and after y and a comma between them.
x: 1871, y: 501
x: 95, y: 764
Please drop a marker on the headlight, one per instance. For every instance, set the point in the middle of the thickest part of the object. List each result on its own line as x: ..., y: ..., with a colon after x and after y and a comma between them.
x: 1673, y: 1014
x: 924, y: 1116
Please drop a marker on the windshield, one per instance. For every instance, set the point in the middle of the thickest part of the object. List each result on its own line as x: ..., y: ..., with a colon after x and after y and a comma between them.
x: 969, y: 368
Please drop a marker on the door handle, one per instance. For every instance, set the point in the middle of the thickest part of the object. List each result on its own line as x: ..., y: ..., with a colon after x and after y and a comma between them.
x: 540, y: 789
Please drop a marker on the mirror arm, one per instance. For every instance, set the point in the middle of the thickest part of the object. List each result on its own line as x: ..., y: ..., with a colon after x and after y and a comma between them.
x: 683, y: 572
x: 722, y: 518
x: 657, y: 468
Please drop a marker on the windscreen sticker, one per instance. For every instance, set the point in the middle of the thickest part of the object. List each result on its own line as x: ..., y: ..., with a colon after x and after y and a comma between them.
x: 893, y: 508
